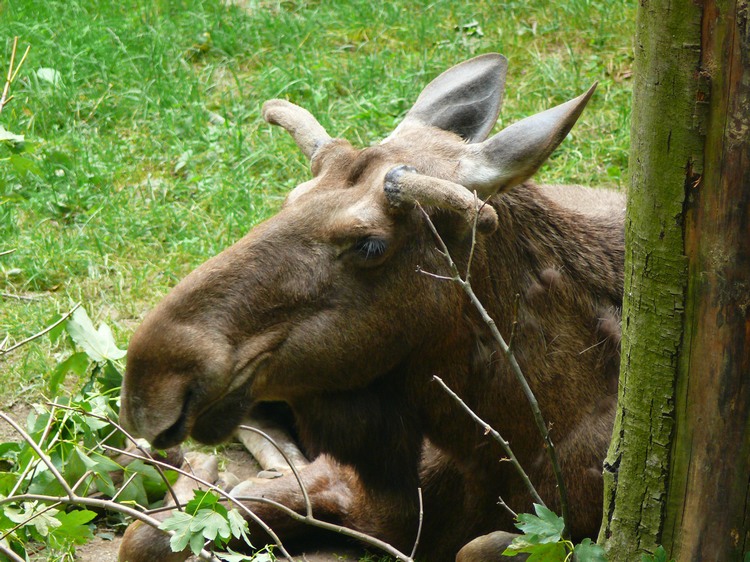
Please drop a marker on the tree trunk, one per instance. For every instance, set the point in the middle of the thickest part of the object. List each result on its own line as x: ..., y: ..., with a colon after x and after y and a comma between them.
x: 678, y: 468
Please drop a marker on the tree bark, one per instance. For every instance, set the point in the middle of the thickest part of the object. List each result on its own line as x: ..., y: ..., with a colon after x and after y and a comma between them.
x: 678, y: 469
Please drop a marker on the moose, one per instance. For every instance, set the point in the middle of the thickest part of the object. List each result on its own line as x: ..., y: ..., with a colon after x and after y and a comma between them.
x: 332, y: 307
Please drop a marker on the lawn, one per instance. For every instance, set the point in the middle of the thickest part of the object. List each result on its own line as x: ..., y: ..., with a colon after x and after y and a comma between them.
x: 151, y: 155
x: 146, y: 153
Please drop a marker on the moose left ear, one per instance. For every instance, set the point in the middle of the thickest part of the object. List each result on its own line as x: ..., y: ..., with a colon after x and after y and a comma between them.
x: 514, y: 154
x: 464, y: 99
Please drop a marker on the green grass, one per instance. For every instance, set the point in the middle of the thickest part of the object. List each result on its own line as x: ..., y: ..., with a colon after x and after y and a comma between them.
x: 153, y: 156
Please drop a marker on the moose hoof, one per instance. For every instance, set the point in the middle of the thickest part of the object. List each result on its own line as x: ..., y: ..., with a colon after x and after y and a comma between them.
x: 143, y: 543
x: 489, y: 548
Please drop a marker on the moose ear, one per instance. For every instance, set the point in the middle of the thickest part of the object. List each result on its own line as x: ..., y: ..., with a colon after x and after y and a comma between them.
x: 464, y: 99
x: 514, y: 154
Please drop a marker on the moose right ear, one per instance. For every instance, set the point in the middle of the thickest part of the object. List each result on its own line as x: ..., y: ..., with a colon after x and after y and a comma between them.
x: 464, y: 99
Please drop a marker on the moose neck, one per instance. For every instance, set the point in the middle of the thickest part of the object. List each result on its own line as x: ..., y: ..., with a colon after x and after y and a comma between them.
x: 561, y: 268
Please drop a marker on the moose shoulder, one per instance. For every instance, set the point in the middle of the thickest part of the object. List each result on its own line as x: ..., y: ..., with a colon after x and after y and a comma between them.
x: 325, y: 307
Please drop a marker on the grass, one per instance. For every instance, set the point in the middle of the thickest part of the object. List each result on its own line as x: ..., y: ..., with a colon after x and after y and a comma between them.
x: 152, y: 155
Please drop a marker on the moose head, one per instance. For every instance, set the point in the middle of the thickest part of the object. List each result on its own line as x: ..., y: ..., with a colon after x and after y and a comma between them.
x: 325, y: 296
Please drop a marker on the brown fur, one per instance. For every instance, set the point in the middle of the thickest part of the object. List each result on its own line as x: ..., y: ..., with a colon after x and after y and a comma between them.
x: 294, y: 313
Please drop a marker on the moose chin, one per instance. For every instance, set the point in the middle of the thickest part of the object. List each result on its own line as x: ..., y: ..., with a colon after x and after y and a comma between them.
x: 327, y: 308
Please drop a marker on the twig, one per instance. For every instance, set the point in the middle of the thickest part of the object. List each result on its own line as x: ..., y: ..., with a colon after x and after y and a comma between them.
x: 133, y: 440
x: 499, y: 438
x: 7, y: 252
x: 108, y: 505
x: 515, y: 367
x: 515, y: 323
x: 32, y: 462
x: 45, y: 459
x: 501, y: 503
x: 18, y: 297
x: 10, y: 554
x: 272, y: 441
x: 28, y: 520
x: 40, y: 334
x: 210, y: 486
x: 419, y: 527
x: 309, y: 518
x: 5, y: 98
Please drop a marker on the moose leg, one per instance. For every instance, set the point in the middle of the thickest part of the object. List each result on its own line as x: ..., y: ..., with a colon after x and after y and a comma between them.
x: 489, y: 548
x: 143, y: 543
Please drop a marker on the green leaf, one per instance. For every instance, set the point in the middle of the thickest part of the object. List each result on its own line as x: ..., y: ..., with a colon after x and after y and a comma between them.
x: 202, y: 499
x: 55, y: 333
x: 7, y: 136
x: 78, y: 363
x: 539, y: 552
x: 36, y: 515
x: 99, y: 345
x: 232, y: 556
x: 73, y: 527
x: 179, y: 522
x: 210, y: 524
x: 24, y: 165
x: 659, y: 555
x: 589, y: 551
x: 238, y: 525
x: 545, y: 525
x: 49, y: 75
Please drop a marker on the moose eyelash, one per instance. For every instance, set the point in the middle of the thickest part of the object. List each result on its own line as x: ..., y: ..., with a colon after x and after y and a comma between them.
x: 370, y: 248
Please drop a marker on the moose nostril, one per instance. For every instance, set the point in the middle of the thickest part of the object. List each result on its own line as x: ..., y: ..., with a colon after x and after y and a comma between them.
x: 178, y: 431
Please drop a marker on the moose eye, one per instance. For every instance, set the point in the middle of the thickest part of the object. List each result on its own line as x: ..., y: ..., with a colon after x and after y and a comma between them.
x: 370, y: 247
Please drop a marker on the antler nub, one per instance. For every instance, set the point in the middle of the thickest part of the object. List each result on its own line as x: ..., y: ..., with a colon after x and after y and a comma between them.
x: 304, y: 128
x: 403, y: 185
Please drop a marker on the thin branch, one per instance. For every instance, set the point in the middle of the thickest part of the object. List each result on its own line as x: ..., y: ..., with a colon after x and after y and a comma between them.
x: 10, y: 554
x: 28, y: 520
x: 312, y: 521
x: 419, y: 527
x: 133, y: 440
x: 501, y: 503
x: 18, y: 297
x: 512, y: 337
x: 210, y: 486
x: 5, y: 97
x: 499, y: 438
x: 108, y: 505
x: 33, y: 462
x: 7, y: 252
x: 45, y: 459
x: 40, y: 334
x: 272, y: 441
x: 515, y: 367
x: 345, y: 531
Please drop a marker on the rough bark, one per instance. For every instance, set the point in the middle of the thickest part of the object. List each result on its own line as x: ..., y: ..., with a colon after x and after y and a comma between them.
x: 678, y: 469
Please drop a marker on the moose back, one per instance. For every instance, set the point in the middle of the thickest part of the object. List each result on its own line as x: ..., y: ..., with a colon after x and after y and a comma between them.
x: 334, y: 306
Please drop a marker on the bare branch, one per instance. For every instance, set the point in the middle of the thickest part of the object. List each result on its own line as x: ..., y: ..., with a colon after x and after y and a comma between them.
x: 515, y: 367
x: 10, y: 554
x: 40, y: 334
x: 272, y: 441
x: 5, y: 97
x: 146, y: 454
x: 45, y: 459
x: 419, y: 527
x: 108, y: 505
x: 499, y: 438
x: 7, y: 252
x: 212, y: 487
